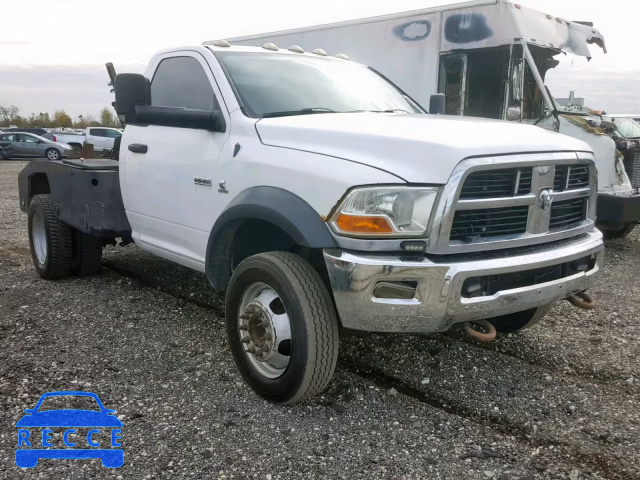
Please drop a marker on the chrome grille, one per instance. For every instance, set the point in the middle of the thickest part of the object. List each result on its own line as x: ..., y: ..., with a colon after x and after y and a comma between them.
x: 472, y: 225
x: 514, y: 201
x: 570, y: 177
x: 635, y: 168
x: 567, y: 213
x: 497, y: 183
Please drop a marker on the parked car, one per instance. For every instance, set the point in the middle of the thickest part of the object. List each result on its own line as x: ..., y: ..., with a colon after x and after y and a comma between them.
x: 42, y: 132
x: 102, y: 138
x: 28, y: 145
x: 318, y: 194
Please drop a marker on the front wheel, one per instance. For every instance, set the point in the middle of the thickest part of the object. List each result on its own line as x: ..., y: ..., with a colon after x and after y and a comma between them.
x: 52, y: 154
x: 282, y: 327
x: 516, y: 322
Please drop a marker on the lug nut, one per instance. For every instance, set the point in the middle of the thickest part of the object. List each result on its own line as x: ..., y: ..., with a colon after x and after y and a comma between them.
x: 245, y: 316
x: 251, y: 309
x: 267, y: 337
x: 264, y: 323
x: 251, y: 349
x: 246, y: 340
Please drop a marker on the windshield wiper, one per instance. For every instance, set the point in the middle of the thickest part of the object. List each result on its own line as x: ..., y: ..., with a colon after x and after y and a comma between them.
x: 395, y: 110
x: 303, y: 111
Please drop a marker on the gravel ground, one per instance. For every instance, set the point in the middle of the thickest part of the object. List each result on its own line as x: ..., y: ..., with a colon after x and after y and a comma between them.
x: 559, y: 401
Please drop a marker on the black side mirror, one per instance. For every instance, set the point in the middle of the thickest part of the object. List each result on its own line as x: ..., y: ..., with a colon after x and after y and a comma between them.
x: 212, y: 120
x: 132, y: 89
x: 437, y: 104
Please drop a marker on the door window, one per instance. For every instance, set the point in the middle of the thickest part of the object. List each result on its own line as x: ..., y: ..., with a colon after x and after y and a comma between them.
x: 182, y: 82
x: 27, y: 139
x: 98, y: 132
x: 112, y: 134
x: 8, y: 138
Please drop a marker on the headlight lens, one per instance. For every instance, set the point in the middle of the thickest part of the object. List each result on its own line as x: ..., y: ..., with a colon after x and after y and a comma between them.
x: 385, y: 212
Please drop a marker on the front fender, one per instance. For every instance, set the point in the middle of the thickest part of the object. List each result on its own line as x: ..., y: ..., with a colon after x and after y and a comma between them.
x: 277, y: 206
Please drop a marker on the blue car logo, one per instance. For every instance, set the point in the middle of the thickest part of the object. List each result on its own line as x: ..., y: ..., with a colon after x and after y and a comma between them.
x: 100, y: 422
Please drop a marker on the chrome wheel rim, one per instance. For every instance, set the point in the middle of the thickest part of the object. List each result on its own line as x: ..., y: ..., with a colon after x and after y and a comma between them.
x: 265, y: 330
x: 39, y: 236
x: 53, y: 155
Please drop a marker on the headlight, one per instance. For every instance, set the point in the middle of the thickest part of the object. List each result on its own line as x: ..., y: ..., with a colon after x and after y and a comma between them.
x: 385, y: 212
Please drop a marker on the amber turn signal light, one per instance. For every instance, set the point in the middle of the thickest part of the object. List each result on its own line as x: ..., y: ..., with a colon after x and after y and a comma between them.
x: 363, y: 224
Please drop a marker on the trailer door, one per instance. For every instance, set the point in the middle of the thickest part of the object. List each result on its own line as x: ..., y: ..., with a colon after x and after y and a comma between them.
x: 453, y: 82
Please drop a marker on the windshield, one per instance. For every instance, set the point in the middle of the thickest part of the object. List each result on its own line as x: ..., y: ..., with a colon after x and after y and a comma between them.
x: 627, y: 127
x: 279, y: 85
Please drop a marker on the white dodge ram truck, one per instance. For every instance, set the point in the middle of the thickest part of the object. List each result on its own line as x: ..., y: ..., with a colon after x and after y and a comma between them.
x: 320, y: 196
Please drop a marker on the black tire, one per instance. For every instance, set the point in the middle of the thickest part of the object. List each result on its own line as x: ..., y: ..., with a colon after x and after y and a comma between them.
x: 519, y: 321
x: 87, y: 254
x: 623, y: 232
x: 313, y: 321
x: 57, y: 252
x: 3, y: 156
x: 52, y: 154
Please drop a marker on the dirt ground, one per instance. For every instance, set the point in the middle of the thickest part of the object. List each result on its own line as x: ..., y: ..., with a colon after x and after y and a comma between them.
x: 560, y: 401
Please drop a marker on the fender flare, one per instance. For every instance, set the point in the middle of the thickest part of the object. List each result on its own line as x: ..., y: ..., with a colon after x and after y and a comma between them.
x: 276, y: 206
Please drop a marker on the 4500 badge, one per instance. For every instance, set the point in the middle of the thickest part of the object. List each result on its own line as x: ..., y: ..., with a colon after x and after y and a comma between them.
x: 100, y: 421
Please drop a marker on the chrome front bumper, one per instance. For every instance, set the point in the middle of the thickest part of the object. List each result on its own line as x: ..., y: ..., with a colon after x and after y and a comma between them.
x: 438, y: 302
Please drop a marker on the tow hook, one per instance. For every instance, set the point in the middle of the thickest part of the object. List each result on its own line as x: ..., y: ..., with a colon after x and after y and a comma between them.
x: 487, y: 337
x: 582, y: 300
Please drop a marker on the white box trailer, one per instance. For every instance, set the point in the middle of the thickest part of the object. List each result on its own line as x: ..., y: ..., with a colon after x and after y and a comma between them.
x: 489, y: 58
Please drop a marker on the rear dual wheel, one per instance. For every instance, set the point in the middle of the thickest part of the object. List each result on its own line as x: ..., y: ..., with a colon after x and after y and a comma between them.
x: 58, y: 250
x: 282, y: 327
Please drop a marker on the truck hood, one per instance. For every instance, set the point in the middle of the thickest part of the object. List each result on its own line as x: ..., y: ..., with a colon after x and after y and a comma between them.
x: 416, y: 148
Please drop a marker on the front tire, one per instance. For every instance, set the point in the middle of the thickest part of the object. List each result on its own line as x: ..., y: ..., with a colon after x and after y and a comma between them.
x: 87, y: 254
x: 519, y: 321
x: 282, y: 327
x: 52, y: 154
x: 49, y: 239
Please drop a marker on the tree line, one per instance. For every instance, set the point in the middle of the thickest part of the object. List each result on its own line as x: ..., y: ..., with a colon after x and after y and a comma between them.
x: 10, y: 116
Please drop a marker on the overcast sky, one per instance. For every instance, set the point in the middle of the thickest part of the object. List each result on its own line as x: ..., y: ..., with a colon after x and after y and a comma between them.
x: 54, y: 56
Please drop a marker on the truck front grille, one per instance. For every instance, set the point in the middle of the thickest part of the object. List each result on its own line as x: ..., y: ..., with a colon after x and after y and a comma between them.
x: 568, y: 213
x: 497, y: 183
x: 470, y: 225
x: 496, y: 206
x: 571, y: 177
x: 635, y: 168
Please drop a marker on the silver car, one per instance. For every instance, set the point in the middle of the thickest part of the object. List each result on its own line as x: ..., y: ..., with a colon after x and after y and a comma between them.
x: 28, y: 145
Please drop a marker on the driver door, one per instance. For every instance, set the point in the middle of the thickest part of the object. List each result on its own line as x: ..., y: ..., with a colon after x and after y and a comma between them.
x: 173, y: 187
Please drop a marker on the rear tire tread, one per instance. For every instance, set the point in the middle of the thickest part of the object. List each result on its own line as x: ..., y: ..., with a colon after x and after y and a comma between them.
x: 59, y: 242
x: 87, y: 255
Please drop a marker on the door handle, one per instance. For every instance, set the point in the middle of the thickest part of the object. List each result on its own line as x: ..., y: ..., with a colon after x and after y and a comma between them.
x: 138, y: 148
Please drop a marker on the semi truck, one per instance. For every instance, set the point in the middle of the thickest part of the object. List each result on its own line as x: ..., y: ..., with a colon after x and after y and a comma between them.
x: 322, y: 197
x: 490, y: 59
